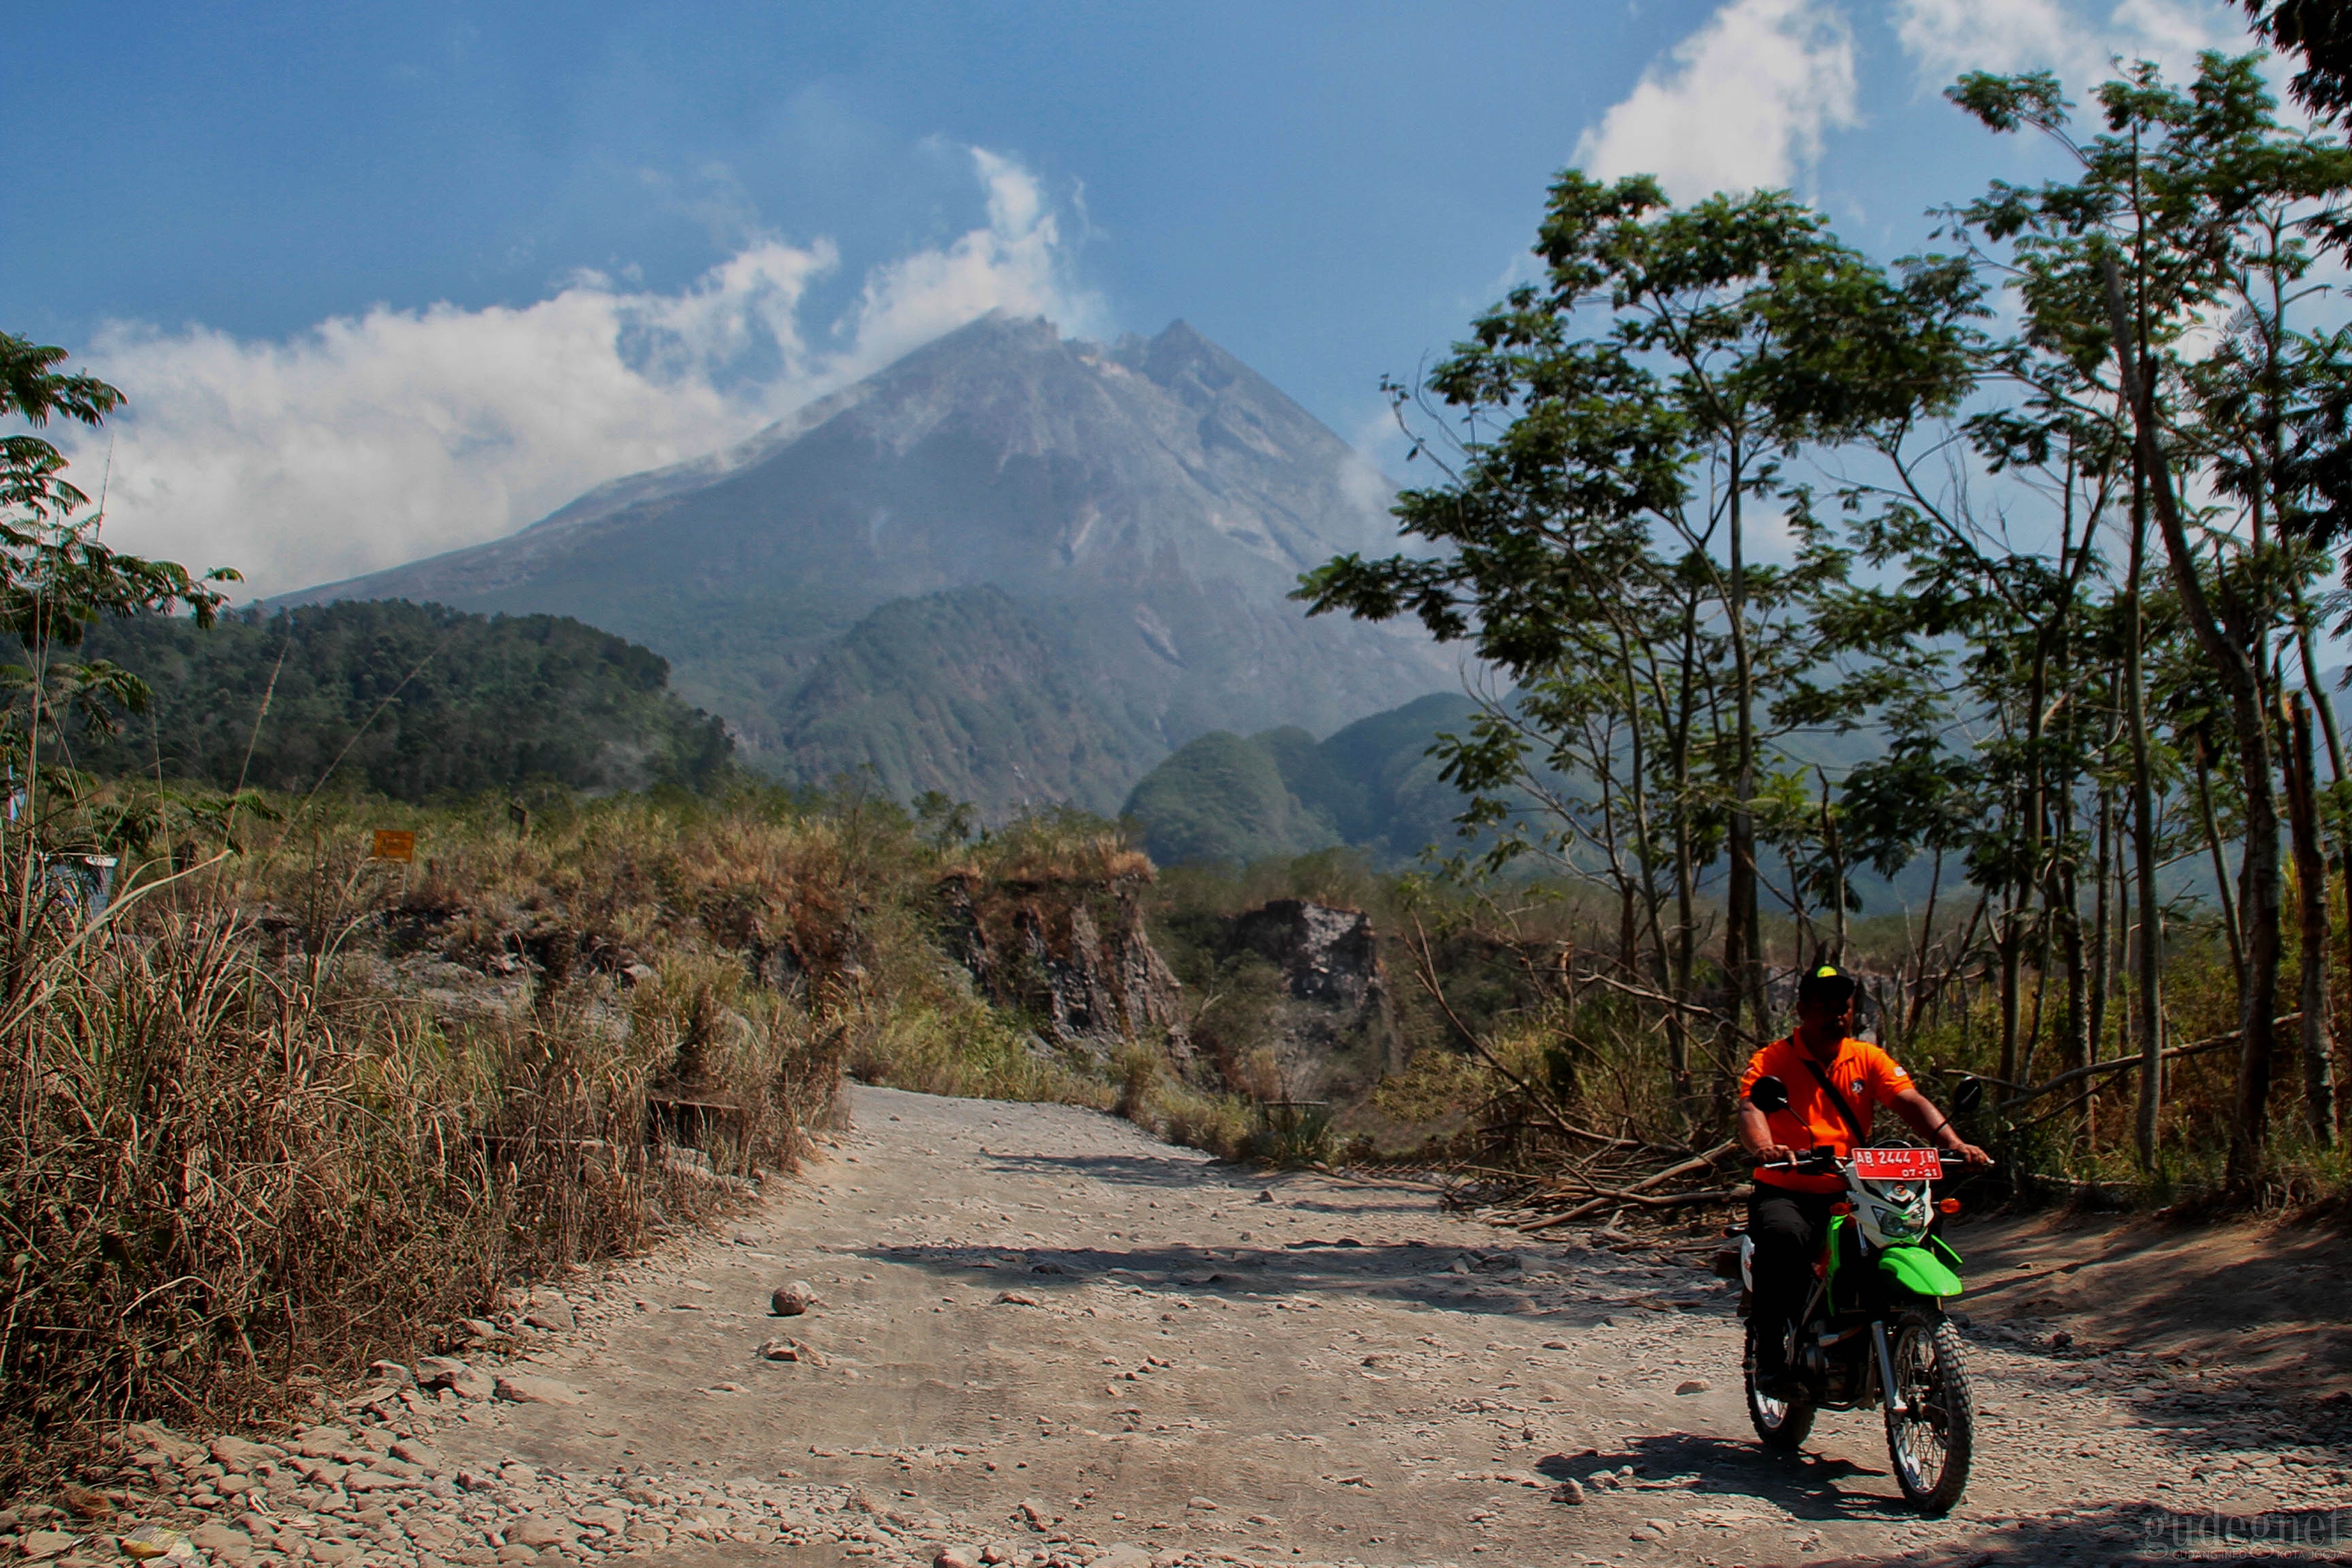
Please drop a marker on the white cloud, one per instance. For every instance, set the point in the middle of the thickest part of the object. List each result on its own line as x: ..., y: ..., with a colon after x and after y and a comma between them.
x: 1946, y: 37
x: 1742, y: 106
x: 371, y: 440
x: 1013, y: 264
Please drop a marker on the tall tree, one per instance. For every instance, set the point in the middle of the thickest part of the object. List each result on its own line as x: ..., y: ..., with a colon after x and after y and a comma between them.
x: 1621, y: 422
x: 2191, y: 207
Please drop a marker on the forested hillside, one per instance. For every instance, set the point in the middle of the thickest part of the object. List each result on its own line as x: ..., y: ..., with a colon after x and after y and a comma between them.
x: 1372, y: 786
x: 961, y: 694
x: 416, y: 702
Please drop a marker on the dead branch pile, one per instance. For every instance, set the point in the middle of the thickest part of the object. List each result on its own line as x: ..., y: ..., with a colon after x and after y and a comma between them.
x: 1612, y: 1182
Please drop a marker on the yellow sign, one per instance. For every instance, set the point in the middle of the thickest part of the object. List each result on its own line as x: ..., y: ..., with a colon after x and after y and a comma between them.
x: 393, y: 844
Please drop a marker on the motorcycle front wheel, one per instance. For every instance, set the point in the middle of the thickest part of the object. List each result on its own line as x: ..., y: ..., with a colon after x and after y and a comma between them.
x: 1931, y: 1412
x: 1782, y: 1424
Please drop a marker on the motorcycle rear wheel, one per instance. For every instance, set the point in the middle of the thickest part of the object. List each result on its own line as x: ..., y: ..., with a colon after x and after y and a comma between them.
x: 1931, y: 1412
x: 1782, y: 1424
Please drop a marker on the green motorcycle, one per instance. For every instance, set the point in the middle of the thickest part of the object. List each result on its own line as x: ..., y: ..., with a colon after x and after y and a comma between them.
x: 1873, y: 1333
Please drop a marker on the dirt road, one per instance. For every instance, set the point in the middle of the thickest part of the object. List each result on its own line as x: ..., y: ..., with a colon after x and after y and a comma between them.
x: 1044, y: 1337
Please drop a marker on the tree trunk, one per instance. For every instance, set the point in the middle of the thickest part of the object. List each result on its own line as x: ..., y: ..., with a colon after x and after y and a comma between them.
x: 1741, y: 894
x: 2102, y: 916
x: 2220, y: 851
x: 2225, y: 629
x: 1920, y: 989
x: 2075, y: 1052
x: 1836, y: 847
x: 2007, y: 939
x: 1742, y: 958
x: 2326, y: 704
x: 2311, y: 901
x: 2150, y: 955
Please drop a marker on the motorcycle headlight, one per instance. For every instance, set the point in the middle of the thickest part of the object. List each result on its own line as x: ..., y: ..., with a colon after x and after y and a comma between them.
x: 1902, y: 1213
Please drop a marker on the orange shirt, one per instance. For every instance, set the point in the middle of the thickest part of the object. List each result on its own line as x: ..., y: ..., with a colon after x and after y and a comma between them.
x: 1865, y: 1074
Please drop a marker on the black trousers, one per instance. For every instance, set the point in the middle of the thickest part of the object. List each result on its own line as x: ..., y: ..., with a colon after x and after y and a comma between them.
x: 1787, y: 1228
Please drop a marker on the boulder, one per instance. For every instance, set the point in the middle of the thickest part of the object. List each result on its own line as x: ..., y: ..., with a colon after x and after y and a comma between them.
x: 163, y: 1439
x: 321, y: 1442
x: 549, y: 1309
x: 220, y: 1539
x: 382, y: 1474
x: 1325, y: 954
x: 1071, y: 951
x: 522, y: 1390
x: 436, y: 1371
x: 237, y: 1454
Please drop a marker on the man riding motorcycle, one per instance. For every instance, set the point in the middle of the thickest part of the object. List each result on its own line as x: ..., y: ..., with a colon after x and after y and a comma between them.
x: 1833, y: 1083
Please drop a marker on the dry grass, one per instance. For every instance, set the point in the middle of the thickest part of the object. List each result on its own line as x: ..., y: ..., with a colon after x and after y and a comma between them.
x: 293, y: 1111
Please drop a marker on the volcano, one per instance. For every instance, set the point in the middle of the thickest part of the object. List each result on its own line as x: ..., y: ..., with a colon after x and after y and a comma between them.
x: 1012, y: 567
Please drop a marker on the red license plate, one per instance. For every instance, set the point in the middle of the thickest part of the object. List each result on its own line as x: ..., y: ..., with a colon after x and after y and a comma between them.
x: 1898, y: 1165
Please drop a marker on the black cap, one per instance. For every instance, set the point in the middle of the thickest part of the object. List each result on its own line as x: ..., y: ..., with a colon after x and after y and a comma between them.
x: 1826, y: 983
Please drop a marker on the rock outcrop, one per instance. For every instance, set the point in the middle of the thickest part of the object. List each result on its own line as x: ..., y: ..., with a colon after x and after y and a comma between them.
x: 1331, y: 1027
x: 1072, y: 954
x: 1326, y: 955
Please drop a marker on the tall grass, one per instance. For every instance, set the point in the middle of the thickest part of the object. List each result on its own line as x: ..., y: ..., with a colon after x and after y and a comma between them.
x: 287, y: 1110
x: 291, y: 1111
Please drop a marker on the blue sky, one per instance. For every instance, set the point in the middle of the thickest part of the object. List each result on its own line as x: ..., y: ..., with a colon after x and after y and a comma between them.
x: 381, y: 280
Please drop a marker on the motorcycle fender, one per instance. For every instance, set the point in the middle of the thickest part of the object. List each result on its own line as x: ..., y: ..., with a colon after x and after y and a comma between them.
x: 1920, y: 1272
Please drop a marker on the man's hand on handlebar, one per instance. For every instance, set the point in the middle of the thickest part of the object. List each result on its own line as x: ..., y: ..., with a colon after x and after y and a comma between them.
x: 1780, y: 1154
x: 1968, y: 1154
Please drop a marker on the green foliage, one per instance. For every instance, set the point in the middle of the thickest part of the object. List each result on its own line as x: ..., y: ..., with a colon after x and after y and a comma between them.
x: 2321, y: 32
x: 57, y: 578
x: 1376, y: 784
x: 413, y: 702
x: 1221, y: 797
x: 1972, y: 584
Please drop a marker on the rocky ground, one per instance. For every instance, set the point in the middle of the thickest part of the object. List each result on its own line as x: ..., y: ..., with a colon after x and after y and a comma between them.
x: 1039, y: 1337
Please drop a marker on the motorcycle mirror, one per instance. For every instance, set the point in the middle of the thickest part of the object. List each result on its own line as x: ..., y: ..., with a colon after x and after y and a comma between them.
x: 1768, y: 1094
x: 1967, y: 1094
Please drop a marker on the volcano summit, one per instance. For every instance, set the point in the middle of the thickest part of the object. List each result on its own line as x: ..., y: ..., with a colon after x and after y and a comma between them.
x: 1012, y: 567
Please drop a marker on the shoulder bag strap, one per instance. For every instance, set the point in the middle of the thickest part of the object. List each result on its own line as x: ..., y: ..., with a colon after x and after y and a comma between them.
x: 1852, y: 1122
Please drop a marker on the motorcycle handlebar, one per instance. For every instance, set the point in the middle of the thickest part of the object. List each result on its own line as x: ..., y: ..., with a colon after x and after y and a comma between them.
x: 1819, y: 1162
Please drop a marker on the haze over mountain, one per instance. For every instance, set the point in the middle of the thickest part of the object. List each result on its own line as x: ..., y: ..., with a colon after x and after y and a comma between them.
x: 1013, y: 567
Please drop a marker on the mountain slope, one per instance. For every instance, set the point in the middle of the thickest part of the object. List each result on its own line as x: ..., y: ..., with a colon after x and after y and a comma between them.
x: 1147, y: 507
x: 1280, y: 792
x: 958, y: 692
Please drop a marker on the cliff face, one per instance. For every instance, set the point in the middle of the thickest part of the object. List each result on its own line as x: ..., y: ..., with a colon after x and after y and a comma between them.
x: 1327, y: 955
x: 1072, y: 954
x: 1336, y: 990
